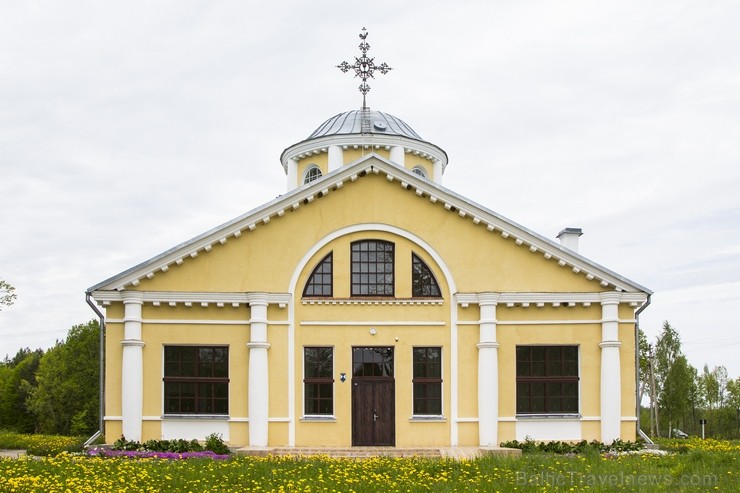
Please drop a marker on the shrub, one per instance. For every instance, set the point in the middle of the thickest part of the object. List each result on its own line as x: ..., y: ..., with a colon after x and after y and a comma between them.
x: 214, y: 443
x: 582, y: 447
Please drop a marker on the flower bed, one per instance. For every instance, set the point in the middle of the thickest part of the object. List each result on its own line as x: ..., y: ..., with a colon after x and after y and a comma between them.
x: 695, y: 471
x: 151, y: 454
x: 42, y: 445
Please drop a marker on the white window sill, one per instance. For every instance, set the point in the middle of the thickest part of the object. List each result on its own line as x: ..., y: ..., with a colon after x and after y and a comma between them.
x: 319, y: 418
x: 427, y: 419
x: 224, y: 417
x: 548, y: 416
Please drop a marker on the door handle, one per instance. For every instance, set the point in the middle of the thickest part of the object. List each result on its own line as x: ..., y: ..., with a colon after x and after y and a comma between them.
x: 375, y: 416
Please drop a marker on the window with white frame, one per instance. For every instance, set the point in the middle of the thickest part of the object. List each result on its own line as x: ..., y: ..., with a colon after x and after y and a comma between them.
x: 312, y: 173
x: 418, y: 170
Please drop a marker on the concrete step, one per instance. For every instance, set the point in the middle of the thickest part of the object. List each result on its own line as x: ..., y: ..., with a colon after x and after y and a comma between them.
x: 455, y: 453
x: 352, y: 452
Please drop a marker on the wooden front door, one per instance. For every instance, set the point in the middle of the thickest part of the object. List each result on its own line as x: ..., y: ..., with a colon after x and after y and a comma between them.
x: 373, y: 397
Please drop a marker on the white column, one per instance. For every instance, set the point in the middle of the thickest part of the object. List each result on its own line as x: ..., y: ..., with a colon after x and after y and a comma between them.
x: 488, y: 372
x: 132, y: 384
x: 336, y: 158
x: 611, y: 388
x: 258, y: 395
x: 292, y: 174
x: 398, y: 155
x: 437, y: 170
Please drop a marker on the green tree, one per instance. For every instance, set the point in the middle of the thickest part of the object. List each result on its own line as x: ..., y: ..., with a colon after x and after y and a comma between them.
x: 716, y: 390
x: 17, y: 381
x: 677, y: 390
x: 733, y: 403
x: 66, y: 398
x: 7, y: 294
x: 667, y: 350
x: 733, y: 393
x: 695, y: 399
x: 709, y: 388
x: 643, y: 351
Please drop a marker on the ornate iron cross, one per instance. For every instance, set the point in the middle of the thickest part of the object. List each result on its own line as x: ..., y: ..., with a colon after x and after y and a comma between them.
x: 364, y: 67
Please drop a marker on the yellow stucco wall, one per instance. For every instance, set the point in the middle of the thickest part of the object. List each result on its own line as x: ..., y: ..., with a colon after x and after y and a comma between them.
x: 411, y: 162
x: 267, y: 258
x: 321, y: 160
x: 351, y: 154
x: 480, y: 260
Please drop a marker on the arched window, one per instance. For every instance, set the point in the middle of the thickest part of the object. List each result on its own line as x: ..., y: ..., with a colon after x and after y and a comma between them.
x: 320, y: 281
x: 418, y: 170
x: 423, y: 282
x: 312, y: 173
x: 372, y: 268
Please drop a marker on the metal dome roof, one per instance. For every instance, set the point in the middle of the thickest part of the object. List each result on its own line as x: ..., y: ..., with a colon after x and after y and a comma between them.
x: 364, y: 122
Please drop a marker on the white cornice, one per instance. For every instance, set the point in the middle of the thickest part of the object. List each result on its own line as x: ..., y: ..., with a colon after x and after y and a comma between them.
x: 510, y: 300
x: 363, y: 141
x: 378, y: 323
x: 370, y: 301
x: 194, y: 321
x: 504, y: 323
x: 202, y: 299
x: 375, y: 164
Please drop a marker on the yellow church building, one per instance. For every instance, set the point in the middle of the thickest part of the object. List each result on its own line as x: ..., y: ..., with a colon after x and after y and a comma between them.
x: 370, y: 306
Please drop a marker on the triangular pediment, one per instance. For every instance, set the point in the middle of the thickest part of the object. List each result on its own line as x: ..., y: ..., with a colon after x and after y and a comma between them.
x: 435, y: 195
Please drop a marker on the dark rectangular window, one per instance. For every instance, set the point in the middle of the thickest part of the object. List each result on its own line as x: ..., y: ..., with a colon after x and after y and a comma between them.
x: 318, y: 380
x: 546, y: 379
x: 427, y: 380
x: 372, y: 268
x: 372, y: 362
x: 196, y: 380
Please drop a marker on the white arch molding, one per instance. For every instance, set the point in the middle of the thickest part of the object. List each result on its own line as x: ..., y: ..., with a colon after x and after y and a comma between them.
x: 385, y: 228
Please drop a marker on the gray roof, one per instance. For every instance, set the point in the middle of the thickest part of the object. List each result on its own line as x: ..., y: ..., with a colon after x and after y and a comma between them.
x: 377, y: 122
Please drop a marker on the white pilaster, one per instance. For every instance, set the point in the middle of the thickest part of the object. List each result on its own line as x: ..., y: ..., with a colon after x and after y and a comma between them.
x: 132, y: 385
x: 292, y: 174
x: 488, y: 372
x: 398, y: 155
x: 611, y: 388
x: 259, y: 391
x: 336, y: 158
x: 437, y: 169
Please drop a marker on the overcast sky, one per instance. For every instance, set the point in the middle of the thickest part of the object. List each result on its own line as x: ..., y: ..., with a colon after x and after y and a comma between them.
x: 129, y: 127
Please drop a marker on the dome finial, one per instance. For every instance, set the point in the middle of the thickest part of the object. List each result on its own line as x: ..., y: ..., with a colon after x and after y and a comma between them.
x: 364, y: 67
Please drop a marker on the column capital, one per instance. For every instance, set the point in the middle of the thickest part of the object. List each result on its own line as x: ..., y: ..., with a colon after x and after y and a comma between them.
x: 132, y: 343
x: 610, y: 297
x: 488, y: 298
x: 607, y: 344
x: 132, y: 297
x: 258, y: 299
x: 487, y: 345
x: 258, y: 345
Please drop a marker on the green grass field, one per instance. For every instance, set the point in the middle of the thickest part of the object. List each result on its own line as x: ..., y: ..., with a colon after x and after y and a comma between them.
x: 694, y: 466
